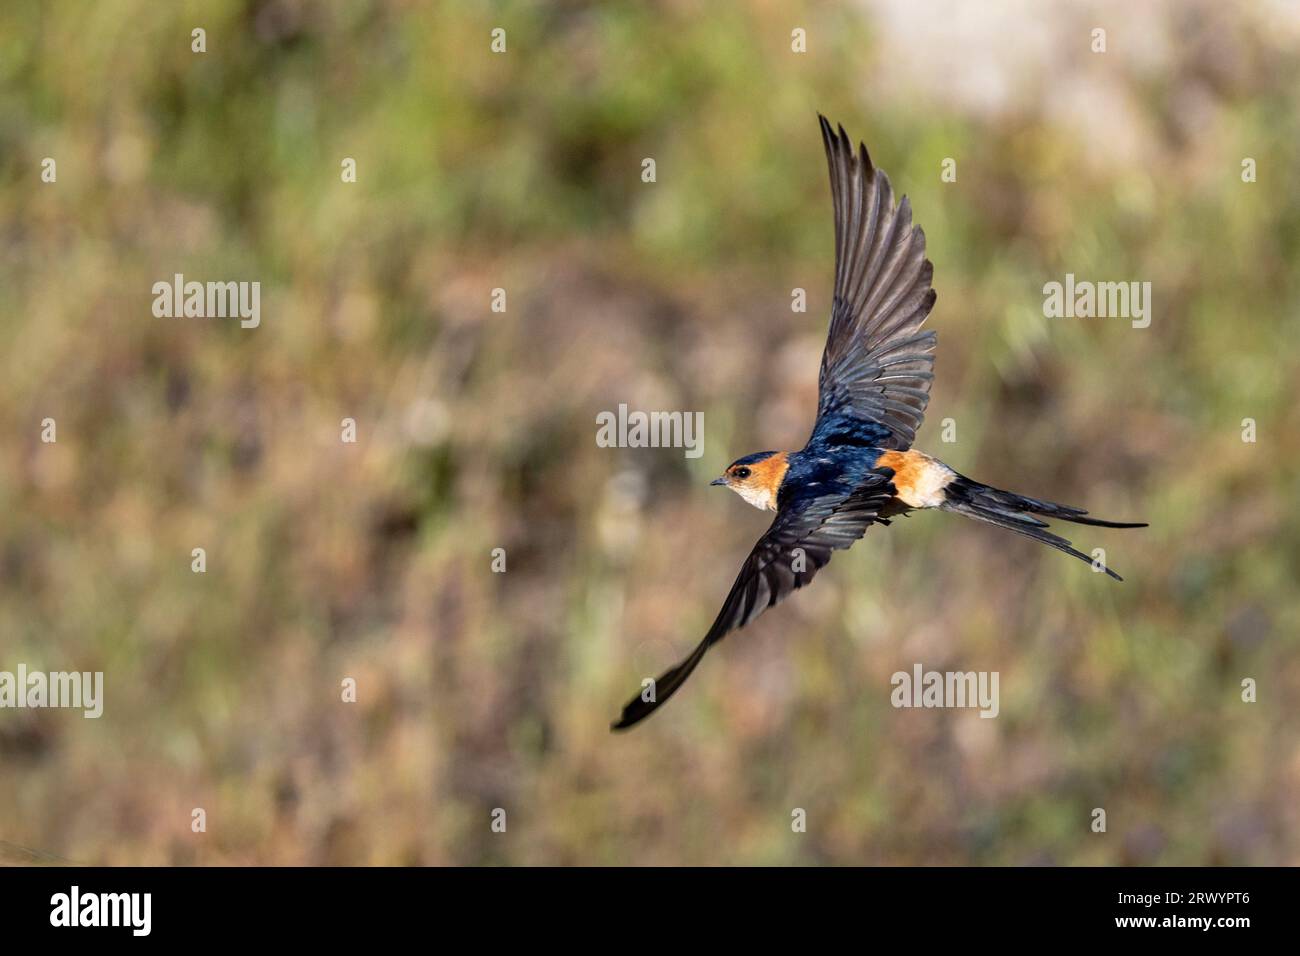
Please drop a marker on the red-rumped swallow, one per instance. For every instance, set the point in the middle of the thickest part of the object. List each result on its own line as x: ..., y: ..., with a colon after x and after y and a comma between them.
x: 858, y: 467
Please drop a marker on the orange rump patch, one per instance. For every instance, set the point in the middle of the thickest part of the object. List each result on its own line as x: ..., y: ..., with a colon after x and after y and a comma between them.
x: 918, y: 478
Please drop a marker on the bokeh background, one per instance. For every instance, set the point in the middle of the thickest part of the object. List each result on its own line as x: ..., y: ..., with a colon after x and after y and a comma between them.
x: 477, y: 429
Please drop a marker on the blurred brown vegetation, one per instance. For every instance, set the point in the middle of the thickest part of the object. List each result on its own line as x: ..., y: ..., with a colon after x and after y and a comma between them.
x: 477, y: 431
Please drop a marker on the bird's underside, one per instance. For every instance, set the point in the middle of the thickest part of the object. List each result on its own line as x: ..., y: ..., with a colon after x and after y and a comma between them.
x: 858, y: 467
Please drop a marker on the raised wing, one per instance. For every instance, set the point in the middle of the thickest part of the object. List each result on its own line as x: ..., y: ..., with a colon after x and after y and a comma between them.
x: 878, y: 364
x: 797, y: 545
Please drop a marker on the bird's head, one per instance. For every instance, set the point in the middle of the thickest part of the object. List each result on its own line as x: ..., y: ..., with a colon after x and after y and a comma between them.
x: 756, y: 478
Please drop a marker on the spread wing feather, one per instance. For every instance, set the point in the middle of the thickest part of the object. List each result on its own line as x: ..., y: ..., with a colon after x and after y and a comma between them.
x: 878, y: 364
x: 818, y: 527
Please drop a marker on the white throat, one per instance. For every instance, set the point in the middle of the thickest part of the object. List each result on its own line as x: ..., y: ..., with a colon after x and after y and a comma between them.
x: 761, y: 498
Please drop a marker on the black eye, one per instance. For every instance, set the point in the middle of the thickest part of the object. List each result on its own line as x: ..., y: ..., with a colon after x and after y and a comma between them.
x: 741, y: 473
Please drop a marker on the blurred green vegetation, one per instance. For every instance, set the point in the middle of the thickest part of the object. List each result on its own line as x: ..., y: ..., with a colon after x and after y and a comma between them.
x: 522, y: 171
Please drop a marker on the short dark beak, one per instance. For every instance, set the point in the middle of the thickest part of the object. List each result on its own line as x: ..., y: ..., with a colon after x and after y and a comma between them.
x: 718, y: 481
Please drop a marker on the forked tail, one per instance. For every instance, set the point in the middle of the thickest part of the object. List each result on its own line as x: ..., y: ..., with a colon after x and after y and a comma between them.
x: 1016, y: 513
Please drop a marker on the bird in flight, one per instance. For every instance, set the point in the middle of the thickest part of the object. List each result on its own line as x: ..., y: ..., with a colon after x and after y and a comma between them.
x: 858, y: 467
